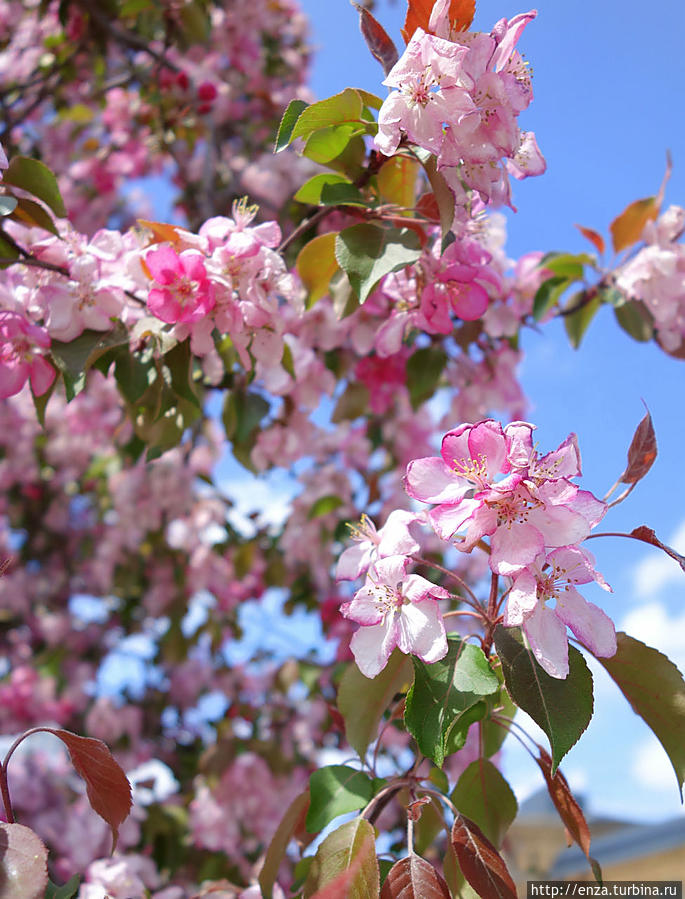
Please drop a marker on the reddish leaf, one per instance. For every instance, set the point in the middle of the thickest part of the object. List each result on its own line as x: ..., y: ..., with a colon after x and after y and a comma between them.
x: 414, y: 878
x: 23, y: 863
x: 377, y: 38
x: 419, y: 12
x: 564, y: 802
x: 647, y: 535
x: 107, y: 787
x: 642, y: 452
x: 594, y: 237
x: 480, y: 862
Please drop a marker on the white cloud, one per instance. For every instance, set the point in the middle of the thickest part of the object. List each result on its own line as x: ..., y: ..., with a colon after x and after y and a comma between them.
x: 651, y: 767
x: 653, y: 625
x: 657, y: 570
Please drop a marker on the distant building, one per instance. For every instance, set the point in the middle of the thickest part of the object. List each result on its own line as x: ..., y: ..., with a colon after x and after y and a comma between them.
x: 536, y: 847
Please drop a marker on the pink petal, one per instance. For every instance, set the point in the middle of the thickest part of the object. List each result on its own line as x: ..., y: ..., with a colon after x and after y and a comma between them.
x: 522, y: 599
x: 395, y: 537
x: 371, y: 647
x: 513, y: 548
x: 389, y: 571
x: 470, y: 303
x: 422, y: 631
x: 431, y: 481
x: 547, y: 637
x: 417, y: 589
x: 589, y: 623
x: 42, y: 375
x: 354, y: 561
x: 363, y: 608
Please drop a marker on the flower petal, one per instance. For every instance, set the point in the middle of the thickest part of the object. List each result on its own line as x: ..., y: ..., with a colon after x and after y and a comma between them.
x: 547, y: 637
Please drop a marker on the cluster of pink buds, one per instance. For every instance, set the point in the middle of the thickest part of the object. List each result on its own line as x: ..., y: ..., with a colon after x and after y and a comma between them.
x: 490, y: 489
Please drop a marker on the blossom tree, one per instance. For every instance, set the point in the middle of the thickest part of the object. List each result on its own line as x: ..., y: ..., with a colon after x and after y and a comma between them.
x: 331, y: 300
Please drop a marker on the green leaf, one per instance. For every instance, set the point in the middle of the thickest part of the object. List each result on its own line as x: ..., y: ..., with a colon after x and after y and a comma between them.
x: 179, y: 361
x: 367, y: 253
x: 323, y: 505
x: 279, y: 842
x: 443, y: 692
x: 548, y: 295
x: 330, y: 189
x: 32, y: 214
x: 37, y: 179
x: 362, y: 701
x: 424, y: 370
x: 353, y: 402
x: 346, y: 862
x: 7, y: 251
x: 493, y: 733
x: 484, y: 796
x: 656, y: 692
x: 326, y: 144
x: 74, y: 358
x: 567, y: 265
x: 562, y: 708
x: 196, y: 24
x: 578, y: 321
x: 343, y: 107
x: 7, y: 204
x: 635, y: 319
x: 285, y: 129
x: 67, y: 891
x: 336, y: 790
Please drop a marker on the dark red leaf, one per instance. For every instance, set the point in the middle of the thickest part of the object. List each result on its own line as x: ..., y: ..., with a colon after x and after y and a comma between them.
x: 377, y: 39
x: 647, y: 535
x: 480, y: 863
x: 565, y: 803
x: 414, y: 878
x: 642, y: 452
x: 107, y: 787
x: 23, y: 863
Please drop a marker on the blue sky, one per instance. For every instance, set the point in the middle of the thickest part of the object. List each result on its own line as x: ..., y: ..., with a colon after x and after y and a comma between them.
x: 608, y: 78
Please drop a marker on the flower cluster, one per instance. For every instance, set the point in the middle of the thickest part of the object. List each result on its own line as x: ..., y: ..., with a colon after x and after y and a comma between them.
x: 488, y: 484
x: 458, y: 95
x: 656, y: 276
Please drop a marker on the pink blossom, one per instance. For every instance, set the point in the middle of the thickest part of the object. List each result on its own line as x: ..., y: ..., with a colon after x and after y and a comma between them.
x: 395, y: 609
x: 554, y: 576
x: 22, y: 348
x: 429, y: 92
x: 533, y: 507
x: 185, y: 293
x: 394, y: 538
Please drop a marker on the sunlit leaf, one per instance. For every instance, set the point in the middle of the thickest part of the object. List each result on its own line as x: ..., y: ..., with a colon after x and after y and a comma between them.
x: 291, y: 821
x: 594, y: 237
x: 335, y: 790
x: 367, y: 253
x: 485, y: 797
x: 362, y: 701
x: 345, y: 864
x: 36, y: 178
